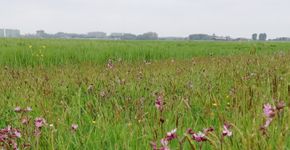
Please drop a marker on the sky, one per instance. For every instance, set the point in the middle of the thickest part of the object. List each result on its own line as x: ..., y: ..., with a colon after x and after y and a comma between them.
x: 236, y: 18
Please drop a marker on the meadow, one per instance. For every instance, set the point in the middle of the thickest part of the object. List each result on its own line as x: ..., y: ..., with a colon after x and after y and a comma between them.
x: 86, y: 94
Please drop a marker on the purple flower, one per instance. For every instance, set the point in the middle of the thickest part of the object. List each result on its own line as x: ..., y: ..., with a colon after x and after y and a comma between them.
x: 8, y: 136
x: 269, y: 111
x: 171, y: 135
x: 226, y: 130
x: 39, y: 122
x: 159, y: 103
x: 199, y: 137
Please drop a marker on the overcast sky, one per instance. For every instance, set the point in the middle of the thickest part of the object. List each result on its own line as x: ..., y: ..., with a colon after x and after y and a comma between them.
x: 238, y: 18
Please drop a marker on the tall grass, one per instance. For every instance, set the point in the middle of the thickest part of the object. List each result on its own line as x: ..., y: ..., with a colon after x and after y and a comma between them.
x: 33, y: 52
x: 118, y: 111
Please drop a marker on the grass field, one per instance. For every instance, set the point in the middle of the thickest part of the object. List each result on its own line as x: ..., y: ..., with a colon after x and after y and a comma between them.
x: 148, y: 89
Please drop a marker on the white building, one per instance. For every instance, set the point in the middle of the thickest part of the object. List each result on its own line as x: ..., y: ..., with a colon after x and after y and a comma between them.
x: 12, y: 33
x: 2, y: 33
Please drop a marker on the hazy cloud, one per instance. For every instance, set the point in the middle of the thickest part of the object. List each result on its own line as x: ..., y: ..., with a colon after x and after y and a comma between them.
x: 167, y: 17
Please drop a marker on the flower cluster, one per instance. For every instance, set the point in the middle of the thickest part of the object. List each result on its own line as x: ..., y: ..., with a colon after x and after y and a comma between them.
x: 270, y: 112
x: 39, y: 123
x: 164, y: 141
x: 18, y: 109
x: 8, y: 138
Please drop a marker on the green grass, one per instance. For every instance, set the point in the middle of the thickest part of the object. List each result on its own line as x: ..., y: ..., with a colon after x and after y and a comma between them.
x: 17, y: 52
x: 207, y: 84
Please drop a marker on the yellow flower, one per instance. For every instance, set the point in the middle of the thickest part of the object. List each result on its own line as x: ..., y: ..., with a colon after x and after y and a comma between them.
x: 30, y: 46
x: 214, y: 104
x: 94, y: 122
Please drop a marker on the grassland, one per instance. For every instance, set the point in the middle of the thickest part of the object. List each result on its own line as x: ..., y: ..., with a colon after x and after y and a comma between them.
x: 204, y: 84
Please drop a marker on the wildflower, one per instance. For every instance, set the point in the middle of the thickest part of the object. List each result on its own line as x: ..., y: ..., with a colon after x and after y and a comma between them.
x: 269, y: 111
x: 17, y: 134
x: 94, y: 122
x: 159, y: 103
x: 154, y: 145
x: 280, y: 105
x: 268, y: 122
x: 190, y: 131
x: 24, y: 121
x: 164, y: 143
x: 199, y: 137
x: 226, y: 130
x: 110, y: 64
x: 28, y: 109
x: 214, y: 104
x: 37, y: 132
x: 206, y: 131
x: 8, y: 136
x: 74, y: 127
x: 39, y: 122
x: 171, y: 135
x: 17, y: 109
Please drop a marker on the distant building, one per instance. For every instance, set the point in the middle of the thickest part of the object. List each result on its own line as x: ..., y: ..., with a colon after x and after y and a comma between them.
x: 99, y: 35
x: 281, y: 39
x: 116, y: 36
x: 2, y: 33
x: 12, y: 33
x: 41, y: 34
x: 128, y: 36
x: 201, y: 37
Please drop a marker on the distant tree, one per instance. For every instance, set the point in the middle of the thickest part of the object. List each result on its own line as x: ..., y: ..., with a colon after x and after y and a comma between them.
x: 128, y: 36
x: 262, y: 36
x: 148, y: 36
x: 254, y: 36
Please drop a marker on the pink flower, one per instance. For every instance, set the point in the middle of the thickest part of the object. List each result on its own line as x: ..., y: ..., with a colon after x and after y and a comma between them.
x: 268, y: 122
x: 17, y: 109
x: 164, y: 143
x: 206, y: 131
x: 199, y: 137
x: 269, y: 111
x: 39, y: 122
x: 17, y: 134
x: 226, y: 131
x: 8, y: 137
x: 154, y: 145
x: 24, y: 120
x: 74, y: 127
x: 171, y: 135
x: 159, y: 103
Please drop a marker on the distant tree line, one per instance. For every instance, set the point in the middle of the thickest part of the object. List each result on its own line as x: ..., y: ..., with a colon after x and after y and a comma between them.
x: 96, y: 35
x: 262, y: 37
